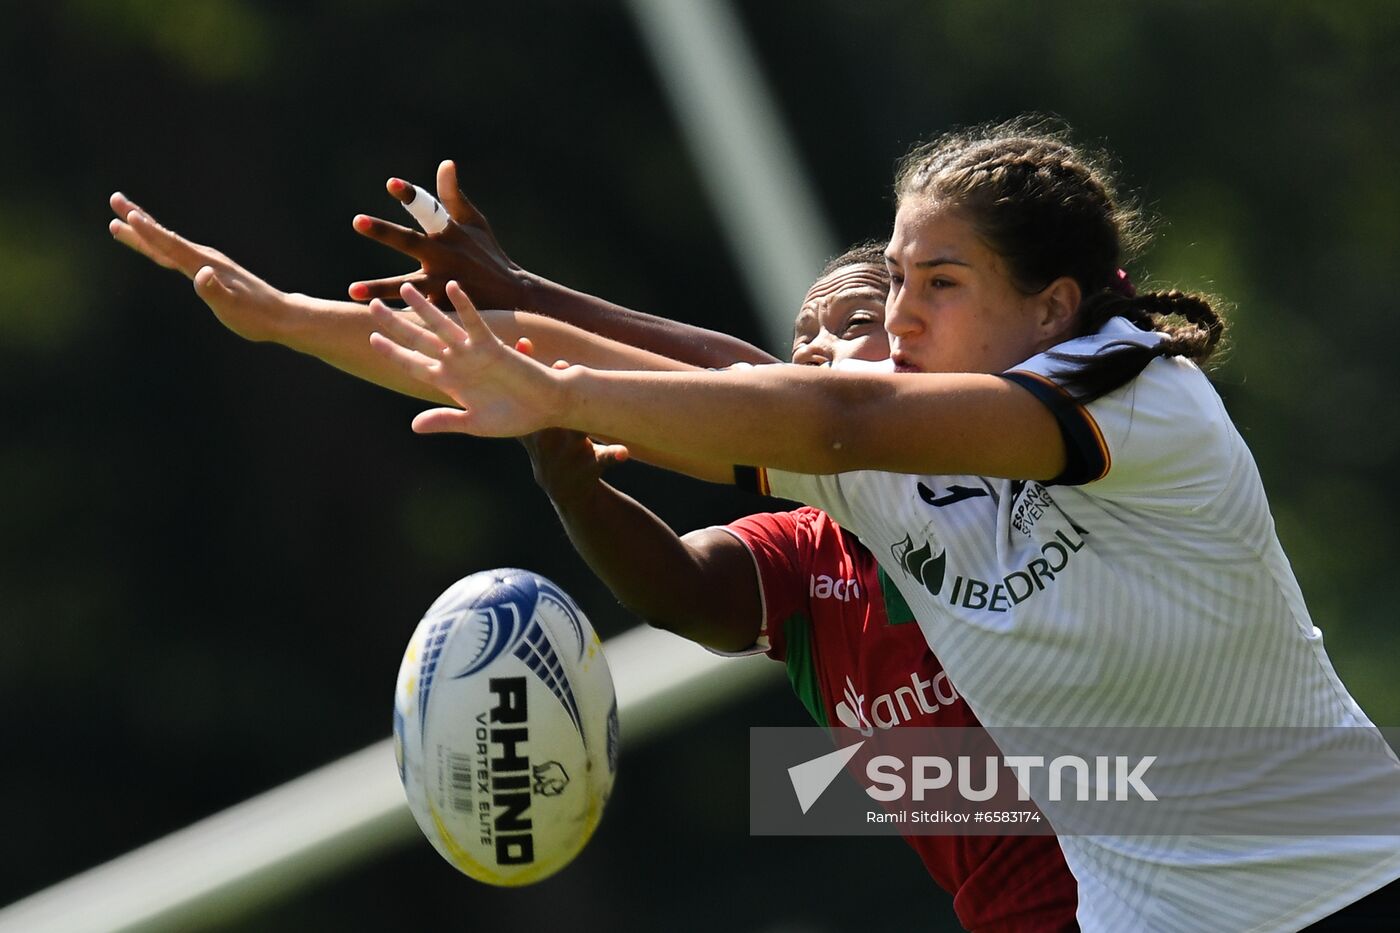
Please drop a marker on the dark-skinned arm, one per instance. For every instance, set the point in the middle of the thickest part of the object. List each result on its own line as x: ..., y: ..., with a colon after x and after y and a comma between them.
x: 702, y: 586
x: 467, y: 251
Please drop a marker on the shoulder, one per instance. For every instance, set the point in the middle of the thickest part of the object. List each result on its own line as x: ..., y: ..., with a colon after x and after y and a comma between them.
x: 1168, y: 430
x: 805, y: 530
x: 1165, y: 434
x: 764, y: 524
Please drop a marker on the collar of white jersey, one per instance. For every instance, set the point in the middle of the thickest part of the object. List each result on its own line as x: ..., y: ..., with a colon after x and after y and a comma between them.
x: 1114, y: 333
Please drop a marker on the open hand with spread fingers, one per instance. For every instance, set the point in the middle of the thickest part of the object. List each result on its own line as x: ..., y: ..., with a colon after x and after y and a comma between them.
x: 503, y: 393
x: 465, y: 251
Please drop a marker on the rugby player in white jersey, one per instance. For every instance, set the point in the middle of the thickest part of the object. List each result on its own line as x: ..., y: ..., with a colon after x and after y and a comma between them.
x: 1118, y: 565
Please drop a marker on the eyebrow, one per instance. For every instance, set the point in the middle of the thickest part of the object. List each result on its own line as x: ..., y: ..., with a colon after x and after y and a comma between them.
x: 802, y: 317
x: 929, y: 263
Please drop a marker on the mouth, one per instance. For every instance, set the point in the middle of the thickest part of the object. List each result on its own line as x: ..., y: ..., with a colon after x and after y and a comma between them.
x: 903, y: 364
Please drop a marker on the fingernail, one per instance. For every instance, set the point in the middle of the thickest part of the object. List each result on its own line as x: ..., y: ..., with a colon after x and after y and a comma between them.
x: 398, y: 185
x: 359, y: 291
x: 361, y: 223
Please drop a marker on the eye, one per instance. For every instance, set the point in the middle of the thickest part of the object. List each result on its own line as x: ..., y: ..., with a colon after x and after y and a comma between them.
x: 939, y: 281
x: 858, y: 320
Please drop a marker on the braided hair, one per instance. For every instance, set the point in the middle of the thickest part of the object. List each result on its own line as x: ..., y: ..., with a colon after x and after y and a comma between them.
x: 1049, y: 209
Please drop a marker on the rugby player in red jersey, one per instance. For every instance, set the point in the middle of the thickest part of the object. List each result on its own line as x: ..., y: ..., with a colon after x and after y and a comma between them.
x: 809, y: 594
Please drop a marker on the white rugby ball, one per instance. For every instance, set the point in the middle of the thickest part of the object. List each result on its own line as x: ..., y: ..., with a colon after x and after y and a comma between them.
x: 505, y: 727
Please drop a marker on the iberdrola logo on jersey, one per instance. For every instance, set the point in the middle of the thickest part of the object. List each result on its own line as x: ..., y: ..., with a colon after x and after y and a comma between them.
x: 921, y: 564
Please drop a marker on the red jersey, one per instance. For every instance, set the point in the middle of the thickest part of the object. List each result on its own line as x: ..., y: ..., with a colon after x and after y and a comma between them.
x: 856, y: 658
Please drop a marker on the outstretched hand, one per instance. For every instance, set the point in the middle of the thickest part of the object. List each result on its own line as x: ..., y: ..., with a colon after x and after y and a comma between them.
x: 242, y: 302
x: 466, y: 251
x: 502, y: 393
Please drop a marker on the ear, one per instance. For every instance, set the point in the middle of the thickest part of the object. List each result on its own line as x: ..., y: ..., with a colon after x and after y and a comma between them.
x: 1059, y: 302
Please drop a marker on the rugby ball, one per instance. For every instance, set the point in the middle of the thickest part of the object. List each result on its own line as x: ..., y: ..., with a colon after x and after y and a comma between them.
x: 505, y: 727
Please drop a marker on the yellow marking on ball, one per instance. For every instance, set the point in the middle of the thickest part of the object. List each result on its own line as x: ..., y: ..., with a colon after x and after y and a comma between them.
x: 470, y: 866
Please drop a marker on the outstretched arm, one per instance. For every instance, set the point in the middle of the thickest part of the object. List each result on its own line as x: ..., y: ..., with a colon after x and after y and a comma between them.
x: 467, y: 251
x: 702, y: 586
x: 338, y: 331
x: 794, y: 418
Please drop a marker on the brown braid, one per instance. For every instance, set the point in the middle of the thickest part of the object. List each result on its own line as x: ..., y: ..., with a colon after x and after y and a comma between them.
x: 1050, y: 210
x: 1197, y: 336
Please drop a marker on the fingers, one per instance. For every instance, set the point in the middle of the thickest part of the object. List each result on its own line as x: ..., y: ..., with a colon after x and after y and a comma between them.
x: 442, y: 421
x: 431, y: 215
x: 427, y: 211
x: 471, y: 321
x: 123, y: 233
x: 400, y: 189
x: 122, y: 205
x: 412, y: 363
x: 127, y: 235
x: 385, y: 289
x: 178, y: 251
x: 210, y: 287
x: 404, y: 332
x: 452, y: 198
x: 610, y: 454
x: 440, y: 324
x: 391, y: 235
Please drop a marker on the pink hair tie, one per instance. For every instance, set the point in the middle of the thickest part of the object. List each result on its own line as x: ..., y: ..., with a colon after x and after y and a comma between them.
x: 1122, y: 284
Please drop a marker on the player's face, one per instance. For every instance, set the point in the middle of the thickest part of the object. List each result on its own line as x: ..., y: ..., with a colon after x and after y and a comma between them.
x: 952, y: 305
x: 842, y: 318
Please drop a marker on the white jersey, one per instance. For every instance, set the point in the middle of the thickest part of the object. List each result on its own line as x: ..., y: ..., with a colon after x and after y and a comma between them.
x: 1146, y: 587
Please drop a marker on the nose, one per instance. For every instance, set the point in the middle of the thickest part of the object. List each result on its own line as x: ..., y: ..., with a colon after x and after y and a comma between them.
x: 900, y: 319
x: 814, y: 352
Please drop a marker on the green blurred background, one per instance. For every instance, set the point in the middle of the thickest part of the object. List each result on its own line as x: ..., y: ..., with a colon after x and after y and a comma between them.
x: 214, y: 552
